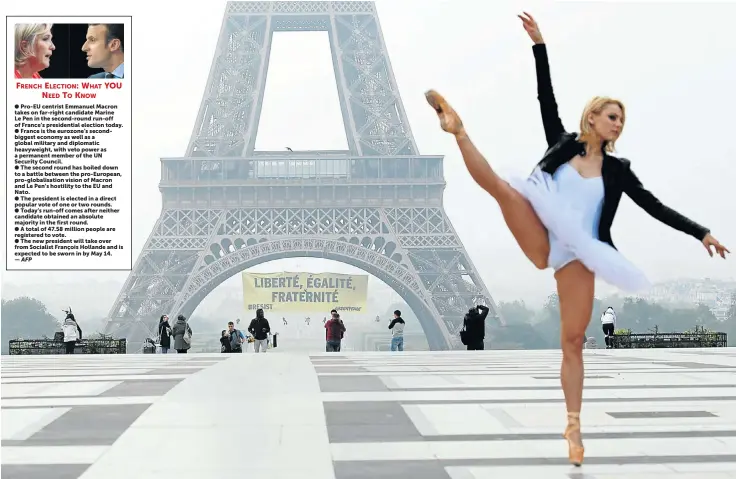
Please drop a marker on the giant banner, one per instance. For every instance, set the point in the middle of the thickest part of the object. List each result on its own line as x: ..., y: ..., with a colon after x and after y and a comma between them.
x: 305, y: 292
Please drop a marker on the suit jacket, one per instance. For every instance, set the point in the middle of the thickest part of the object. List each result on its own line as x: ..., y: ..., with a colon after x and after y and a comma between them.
x: 99, y: 75
x: 119, y: 72
x: 618, y: 178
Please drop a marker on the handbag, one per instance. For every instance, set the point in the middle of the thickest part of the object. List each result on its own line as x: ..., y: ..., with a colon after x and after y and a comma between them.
x: 464, y: 333
x: 187, y: 337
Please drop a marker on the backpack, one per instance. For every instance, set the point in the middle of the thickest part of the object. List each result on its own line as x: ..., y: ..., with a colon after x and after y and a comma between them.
x: 238, y: 340
x: 336, y: 330
x: 187, y: 336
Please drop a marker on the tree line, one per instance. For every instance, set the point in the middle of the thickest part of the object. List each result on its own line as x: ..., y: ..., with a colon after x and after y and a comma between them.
x: 540, y: 329
x: 26, y: 317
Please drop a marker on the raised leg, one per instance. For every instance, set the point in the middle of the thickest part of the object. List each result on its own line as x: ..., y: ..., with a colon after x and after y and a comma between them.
x: 576, y: 288
x: 522, y: 221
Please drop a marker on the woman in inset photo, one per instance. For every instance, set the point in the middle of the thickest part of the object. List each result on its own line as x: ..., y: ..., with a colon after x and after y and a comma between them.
x: 33, y: 49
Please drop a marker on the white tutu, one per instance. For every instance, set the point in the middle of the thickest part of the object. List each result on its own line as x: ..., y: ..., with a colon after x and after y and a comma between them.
x: 564, y: 222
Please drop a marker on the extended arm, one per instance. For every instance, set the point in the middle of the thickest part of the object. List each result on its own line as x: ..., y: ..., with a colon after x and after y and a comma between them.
x: 649, y: 203
x: 553, y: 128
x: 551, y: 121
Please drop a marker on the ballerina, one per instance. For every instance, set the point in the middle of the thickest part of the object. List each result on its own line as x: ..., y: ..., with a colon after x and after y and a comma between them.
x: 561, y: 215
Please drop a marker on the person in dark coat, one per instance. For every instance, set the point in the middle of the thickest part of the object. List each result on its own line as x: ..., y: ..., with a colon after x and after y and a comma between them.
x: 225, y: 346
x: 178, y: 331
x: 164, y: 334
x: 260, y: 328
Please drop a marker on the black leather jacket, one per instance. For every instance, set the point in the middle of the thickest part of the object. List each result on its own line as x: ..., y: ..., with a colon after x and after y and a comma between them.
x: 618, y: 178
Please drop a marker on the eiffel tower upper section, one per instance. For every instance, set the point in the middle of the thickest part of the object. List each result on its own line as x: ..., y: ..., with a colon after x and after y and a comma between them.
x: 227, y: 123
x: 382, y: 154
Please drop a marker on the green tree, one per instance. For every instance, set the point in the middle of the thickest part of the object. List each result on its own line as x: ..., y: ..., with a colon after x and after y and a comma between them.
x: 519, y: 332
x: 682, y: 319
x: 517, y: 336
x: 25, y: 317
x: 640, y: 315
x: 515, y: 312
x: 548, y: 325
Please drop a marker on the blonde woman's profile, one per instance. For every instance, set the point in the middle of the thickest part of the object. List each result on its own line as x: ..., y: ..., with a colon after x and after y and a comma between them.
x: 33, y: 49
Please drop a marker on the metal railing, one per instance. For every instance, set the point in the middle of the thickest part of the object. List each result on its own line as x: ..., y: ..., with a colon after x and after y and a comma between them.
x: 18, y: 347
x: 670, y: 340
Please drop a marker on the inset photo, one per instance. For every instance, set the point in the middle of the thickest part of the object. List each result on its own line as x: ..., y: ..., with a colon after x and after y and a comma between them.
x: 69, y: 50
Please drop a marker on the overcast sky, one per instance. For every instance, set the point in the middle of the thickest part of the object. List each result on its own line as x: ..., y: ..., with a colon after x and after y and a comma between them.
x: 673, y: 64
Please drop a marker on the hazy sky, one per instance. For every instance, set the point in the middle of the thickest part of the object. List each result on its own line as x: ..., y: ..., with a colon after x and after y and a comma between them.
x: 673, y: 64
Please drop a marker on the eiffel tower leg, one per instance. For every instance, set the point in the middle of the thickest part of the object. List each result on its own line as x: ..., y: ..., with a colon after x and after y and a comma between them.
x: 281, y: 233
x: 171, y: 253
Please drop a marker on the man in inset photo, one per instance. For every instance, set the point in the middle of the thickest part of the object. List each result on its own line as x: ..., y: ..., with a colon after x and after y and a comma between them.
x: 104, y: 49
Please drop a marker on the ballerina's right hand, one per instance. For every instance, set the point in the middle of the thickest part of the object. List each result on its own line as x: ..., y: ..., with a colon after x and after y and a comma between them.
x: 709, y: 241
x: 531, y: 27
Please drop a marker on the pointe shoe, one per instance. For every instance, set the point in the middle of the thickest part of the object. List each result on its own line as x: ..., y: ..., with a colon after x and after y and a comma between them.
x: 576, y: 452
x: 449, y: 119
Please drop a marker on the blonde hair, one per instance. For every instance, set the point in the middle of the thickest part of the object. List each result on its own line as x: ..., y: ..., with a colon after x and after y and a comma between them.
x: 28, y: 33
x: 595, y: 106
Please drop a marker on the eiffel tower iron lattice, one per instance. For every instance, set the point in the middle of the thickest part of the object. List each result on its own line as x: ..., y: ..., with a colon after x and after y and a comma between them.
x: 226, y: 207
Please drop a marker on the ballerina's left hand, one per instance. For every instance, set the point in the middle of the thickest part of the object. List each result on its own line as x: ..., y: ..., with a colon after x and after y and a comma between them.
x: 709, y: 241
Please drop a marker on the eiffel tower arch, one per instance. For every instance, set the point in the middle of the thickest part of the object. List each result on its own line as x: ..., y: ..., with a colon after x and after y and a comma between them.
x: 226, y: 207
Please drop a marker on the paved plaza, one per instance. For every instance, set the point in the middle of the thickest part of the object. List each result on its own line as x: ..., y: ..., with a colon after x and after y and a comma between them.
x: 651, y: 414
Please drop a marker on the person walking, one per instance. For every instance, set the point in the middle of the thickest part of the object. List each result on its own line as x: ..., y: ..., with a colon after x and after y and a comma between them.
x: 334, y: 332
x: 235, y: 337
x: 259, y: 328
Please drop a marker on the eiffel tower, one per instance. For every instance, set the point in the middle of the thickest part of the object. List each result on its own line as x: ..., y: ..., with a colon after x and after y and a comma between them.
x: 377, y: 206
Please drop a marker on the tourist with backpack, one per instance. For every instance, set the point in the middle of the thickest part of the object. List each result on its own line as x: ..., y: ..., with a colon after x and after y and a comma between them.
x: 473, y: 333
x: 335, y: 331
x: 236, y: 338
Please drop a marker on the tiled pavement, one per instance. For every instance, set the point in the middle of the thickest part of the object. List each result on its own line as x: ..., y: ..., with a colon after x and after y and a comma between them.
x: 452, y: 415
x: 61, y: 413
x: 497, y: 414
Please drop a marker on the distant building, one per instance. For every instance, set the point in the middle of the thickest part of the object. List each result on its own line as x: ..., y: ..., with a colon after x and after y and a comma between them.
x: 714, y: 294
